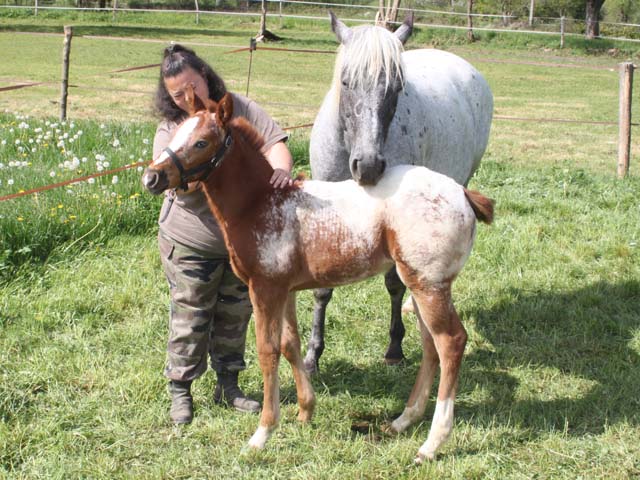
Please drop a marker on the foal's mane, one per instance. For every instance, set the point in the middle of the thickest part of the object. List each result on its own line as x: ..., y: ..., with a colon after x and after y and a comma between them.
x: 371, y: 51
x: 249, y: 134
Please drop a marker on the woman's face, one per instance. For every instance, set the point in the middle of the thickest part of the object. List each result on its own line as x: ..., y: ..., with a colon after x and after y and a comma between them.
x: 177, y: 86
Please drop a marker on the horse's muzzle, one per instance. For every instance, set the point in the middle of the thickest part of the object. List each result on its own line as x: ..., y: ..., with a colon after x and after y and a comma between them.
x: 155, y: 181
x: 367, y: 172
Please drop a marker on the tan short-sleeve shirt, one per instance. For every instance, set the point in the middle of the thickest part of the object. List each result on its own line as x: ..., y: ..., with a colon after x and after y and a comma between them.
x: 188, y: 219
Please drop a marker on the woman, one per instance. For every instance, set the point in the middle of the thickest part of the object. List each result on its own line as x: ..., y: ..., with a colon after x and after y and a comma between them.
x: 210, y: 307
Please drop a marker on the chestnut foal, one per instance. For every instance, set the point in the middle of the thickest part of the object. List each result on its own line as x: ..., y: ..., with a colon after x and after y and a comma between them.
x: 320, y: 234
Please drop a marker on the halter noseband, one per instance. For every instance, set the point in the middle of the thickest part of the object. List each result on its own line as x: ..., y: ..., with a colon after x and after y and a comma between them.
x: 204, y: 168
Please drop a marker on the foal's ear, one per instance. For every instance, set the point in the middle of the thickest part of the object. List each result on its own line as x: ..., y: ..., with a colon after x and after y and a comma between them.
x: 194, y: 103
x: 225, y: 109
x: 404, y: 31
x: 343, y: 33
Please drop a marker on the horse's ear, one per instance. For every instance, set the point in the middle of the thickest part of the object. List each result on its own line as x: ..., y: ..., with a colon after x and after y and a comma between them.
x: 343, y: 33
x: 225, y: 109
x: 194, y: 103
x: 404, y: 31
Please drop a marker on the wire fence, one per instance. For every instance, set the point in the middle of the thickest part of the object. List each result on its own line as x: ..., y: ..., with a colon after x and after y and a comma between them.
x: 310, y: 10
x: 306, y: 122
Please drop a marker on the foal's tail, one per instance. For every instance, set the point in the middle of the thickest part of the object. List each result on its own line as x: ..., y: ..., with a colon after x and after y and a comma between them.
x: 482, y: 206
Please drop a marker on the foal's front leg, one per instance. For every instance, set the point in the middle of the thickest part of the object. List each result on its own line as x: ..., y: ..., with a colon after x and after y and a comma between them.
x: 268, y: 307
x: 290, y: 346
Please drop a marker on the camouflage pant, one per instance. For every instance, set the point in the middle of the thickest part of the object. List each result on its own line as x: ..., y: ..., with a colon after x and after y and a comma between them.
x: 210, y: 312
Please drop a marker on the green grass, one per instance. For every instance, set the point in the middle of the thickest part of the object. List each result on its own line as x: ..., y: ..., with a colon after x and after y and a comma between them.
x: 550, y: 382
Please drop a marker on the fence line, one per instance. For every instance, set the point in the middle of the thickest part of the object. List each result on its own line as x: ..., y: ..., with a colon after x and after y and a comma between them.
x: 316, y: 18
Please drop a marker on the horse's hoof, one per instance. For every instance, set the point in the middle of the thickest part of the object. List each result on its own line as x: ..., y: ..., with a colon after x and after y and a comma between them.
x: 393, y: 361
x: 311, y: 366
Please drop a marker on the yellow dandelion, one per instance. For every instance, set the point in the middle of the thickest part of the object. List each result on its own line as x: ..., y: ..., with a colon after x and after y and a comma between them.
x: 20, y: 219
x: 72, y: 217
x: 20, y: 191
x: 60, y: 205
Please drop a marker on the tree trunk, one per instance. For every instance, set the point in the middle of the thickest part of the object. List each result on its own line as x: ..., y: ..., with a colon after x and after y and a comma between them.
x: 592, y: 18
x: 393, y: 15
x: 265, y: 35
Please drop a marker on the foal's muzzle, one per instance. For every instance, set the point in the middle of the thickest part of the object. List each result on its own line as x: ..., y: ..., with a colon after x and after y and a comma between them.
x: 156, y: 181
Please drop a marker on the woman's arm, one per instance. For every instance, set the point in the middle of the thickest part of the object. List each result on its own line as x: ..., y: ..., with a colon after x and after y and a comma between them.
x: 280, y: 159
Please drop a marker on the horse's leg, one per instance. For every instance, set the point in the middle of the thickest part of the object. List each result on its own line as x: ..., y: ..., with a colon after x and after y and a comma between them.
x: 396, y: 290
x: 268, y: 308
x: 449, y: 336
x: 290, y: 346
x: 417, y: 403
x: 321, y: 297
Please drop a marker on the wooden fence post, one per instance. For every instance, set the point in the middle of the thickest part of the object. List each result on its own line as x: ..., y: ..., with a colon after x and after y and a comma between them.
x: 68, y: 33
x: 35, y: 12
x: 197, y: 13
x: 624, y: 119
x: 562, y: 32
x: 470, y: 36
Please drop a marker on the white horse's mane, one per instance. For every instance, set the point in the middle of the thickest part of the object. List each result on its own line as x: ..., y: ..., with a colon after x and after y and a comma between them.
x: 371, y: 50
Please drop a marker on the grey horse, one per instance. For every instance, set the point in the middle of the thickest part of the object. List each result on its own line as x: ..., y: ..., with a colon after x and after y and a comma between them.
x: 387, y: 107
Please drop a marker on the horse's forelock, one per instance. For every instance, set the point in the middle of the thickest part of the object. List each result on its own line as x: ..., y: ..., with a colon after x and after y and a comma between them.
x: 371, y: 51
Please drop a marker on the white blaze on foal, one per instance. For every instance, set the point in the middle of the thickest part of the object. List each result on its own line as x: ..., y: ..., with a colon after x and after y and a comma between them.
x: 180, y: 139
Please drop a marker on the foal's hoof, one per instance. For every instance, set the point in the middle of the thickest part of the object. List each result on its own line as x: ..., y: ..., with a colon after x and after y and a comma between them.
x: 420, y: 458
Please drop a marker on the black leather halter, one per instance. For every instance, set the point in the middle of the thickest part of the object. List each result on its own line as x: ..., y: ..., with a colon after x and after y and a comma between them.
x: 204, y: 168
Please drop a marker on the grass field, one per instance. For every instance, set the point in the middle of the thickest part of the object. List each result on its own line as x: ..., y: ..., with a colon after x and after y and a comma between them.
x: 550, y: 383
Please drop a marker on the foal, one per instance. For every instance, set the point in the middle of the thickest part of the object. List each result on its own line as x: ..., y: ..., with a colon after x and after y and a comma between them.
x: 327, y: 234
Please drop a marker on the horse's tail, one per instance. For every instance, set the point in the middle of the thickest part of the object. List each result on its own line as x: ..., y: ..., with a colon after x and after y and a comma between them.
x: 482, y: 206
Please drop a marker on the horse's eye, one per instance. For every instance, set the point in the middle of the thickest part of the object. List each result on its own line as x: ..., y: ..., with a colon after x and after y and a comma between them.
x: 201, y: 144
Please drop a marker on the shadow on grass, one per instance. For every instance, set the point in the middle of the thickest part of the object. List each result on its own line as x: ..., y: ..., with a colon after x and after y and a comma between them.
x: 582, y: 335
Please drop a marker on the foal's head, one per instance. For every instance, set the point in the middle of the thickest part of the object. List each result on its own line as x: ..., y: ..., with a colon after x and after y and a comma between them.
x: 369, y: 79
x: 197, y: 147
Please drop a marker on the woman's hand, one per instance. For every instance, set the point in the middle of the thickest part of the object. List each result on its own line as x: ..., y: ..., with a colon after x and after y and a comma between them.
x: 280, y: 178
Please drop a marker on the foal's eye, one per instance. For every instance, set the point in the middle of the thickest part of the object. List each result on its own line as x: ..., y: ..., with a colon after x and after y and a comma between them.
x: 201, y: 144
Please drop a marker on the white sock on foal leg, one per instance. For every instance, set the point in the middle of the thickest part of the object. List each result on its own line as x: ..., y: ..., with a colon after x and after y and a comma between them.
x: 259, y: 438
x: 409, y: 416
x: 441, y: 427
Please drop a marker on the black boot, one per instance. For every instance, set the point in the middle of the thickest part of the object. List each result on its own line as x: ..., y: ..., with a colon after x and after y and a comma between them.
x: 181, y: 402
x: 228, y: 392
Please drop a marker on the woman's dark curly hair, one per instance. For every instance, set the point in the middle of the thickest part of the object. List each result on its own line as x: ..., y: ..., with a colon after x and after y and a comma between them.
x: 176, y: 59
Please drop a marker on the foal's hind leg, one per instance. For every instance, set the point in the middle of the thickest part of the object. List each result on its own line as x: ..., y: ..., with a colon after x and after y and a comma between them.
x: 396, y: 290
x: 321, y: 297
x: 449, y: 336
x: 419, y: 396
x: 290, y: 346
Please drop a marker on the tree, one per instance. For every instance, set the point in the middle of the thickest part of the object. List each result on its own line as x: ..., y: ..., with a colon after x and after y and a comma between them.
x: 592, y: 18
x: 385, y: 17
x: 264, y: 34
